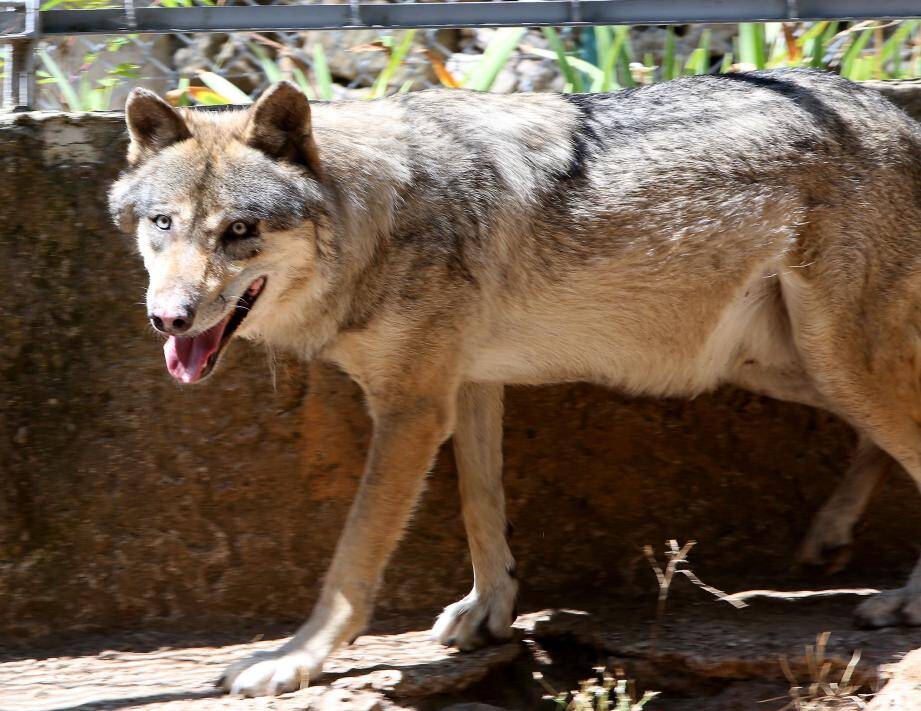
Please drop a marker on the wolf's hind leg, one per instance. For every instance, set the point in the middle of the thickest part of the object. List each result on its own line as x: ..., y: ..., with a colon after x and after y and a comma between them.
x: 863, y: 356
x: 888, y: 422
x: 831, y: 534
x: 901, y: 606
x: 487, y: 612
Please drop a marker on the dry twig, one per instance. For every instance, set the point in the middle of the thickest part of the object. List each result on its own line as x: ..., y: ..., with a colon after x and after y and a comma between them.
x: 676, y: 556
x: 821, y: 694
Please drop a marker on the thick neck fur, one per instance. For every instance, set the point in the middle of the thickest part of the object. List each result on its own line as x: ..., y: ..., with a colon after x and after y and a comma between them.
x: 363, y: 175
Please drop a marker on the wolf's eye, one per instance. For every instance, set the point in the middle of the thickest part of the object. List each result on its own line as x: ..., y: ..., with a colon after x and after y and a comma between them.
x: 162, y: 221
x: 240, y: 230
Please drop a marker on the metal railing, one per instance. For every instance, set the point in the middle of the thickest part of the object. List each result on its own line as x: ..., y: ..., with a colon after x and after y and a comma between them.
x: 23, y: 24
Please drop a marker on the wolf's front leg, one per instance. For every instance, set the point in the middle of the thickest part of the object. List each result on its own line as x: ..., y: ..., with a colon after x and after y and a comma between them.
x: 487, y: 612
x: 403, y: 448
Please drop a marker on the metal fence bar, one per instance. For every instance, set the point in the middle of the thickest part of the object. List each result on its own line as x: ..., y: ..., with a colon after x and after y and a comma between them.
x: 19, y: 87
x: 18, y: 53
x: 468, y: 14
x: 17, y: 45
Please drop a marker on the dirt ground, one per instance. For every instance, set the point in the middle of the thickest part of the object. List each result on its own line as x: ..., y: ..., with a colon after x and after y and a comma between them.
x: 709, y: 657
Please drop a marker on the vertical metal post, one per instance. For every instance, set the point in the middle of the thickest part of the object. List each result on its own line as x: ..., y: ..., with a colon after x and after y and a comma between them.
x: 18, y: 51
x: 355, y: 13
x: 19, y: 89
x: 575, y: 11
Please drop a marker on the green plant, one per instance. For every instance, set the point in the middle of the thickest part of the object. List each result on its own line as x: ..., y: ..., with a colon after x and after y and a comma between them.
x: 750, y: 45
x: 606, y: 692
x: 218, y: 90
x: 322, y: 74
x: 699, y: 60
x: 614, y: 68
x: 104, y: 4
x: 397, y: 55
x: 500, y: 48
x: 225, y: 91
x: 573, y: 77
x: 322, y: 86
x: 80, y: 93
x: 670, y: 68
x: 866, y: 50
x: 78, y: 4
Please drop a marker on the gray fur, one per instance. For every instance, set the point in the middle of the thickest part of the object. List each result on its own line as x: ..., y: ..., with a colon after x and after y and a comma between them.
x: 757, y: 229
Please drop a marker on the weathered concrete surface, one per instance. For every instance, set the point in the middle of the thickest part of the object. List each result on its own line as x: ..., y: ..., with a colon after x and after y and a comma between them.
x: 905, y: 93
x: 127, y: 502
x: 376, y: 673
x: 709, y: 657
x: 705, y: 646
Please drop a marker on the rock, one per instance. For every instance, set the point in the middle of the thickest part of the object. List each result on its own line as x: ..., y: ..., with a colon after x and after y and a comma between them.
x: 355, y: 60
x: 538, y: 75
x: 651, y: 40
x: 340, y: 700
x: 480, y: 38
x: 903, y: 688
x: 231, y: 52
x: 461, y: 65
x: 412, y: 664
x: 506, y: 80
x: 702, y: 644
x: 906, y: 93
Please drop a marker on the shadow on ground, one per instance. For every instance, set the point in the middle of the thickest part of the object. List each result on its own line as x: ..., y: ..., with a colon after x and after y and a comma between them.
x: 709, y: 657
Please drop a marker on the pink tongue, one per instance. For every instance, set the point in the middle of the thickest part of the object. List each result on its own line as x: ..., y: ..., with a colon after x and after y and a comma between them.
x: 186, y: 358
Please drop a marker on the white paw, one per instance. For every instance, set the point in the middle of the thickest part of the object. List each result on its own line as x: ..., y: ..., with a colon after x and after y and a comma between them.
x: 268, y: 674
x: 890, y: 608
x: 478, y: 619
x: 828, y: 544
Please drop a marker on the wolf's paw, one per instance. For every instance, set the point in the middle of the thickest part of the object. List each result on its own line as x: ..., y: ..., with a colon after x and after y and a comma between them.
x: 268, y: 674
x: 479, y: 619
x: 890, y: 608
x: 828, y: 544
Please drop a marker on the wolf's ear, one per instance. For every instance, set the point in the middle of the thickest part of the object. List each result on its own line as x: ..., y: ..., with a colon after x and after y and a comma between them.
x: 279, y: 126
x: 153, y: 125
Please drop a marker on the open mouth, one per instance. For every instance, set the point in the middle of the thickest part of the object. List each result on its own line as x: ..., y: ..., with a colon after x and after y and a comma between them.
x: 190, y: 359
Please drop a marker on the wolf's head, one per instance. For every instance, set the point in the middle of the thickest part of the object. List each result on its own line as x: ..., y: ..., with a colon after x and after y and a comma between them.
x: 225, y: 208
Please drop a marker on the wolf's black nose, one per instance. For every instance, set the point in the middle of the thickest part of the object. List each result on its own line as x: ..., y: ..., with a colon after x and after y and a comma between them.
x: 175, y: 324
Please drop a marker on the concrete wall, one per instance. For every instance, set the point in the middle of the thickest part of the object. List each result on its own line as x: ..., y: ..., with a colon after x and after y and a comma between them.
x: 128, y: 502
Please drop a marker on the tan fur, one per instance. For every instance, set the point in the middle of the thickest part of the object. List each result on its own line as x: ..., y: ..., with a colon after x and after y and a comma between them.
x: 456, y: 242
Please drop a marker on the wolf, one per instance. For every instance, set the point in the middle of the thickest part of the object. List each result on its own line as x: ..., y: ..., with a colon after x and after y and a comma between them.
x: 760, y: 229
